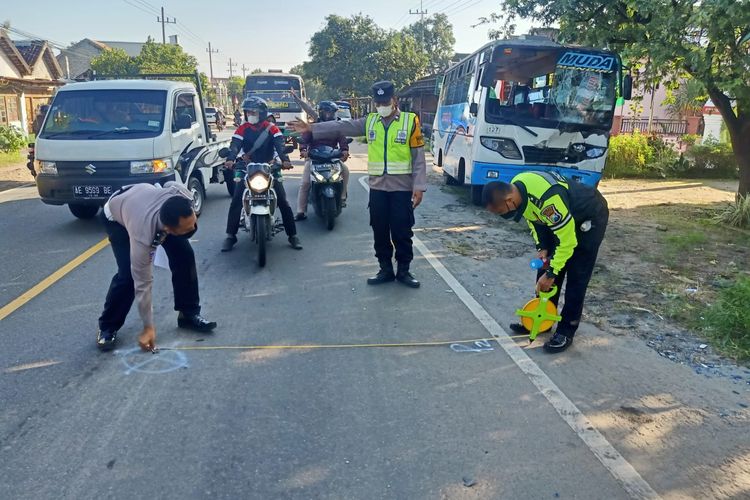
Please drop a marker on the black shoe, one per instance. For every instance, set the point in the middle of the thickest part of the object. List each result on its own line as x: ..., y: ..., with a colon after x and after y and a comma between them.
x: 229, y: 242
x: 294, y: 242
x: 558, y: 343
x: 343, y: 203
x: 518, y: 328
x: 385, y: 275
x: 106, y: 340
x: 196, y: 323
x: 407, y: 279
x: 300, y: 216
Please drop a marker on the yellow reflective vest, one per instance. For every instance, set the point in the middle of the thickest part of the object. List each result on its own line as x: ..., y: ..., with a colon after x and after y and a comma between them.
x: 388, y: 150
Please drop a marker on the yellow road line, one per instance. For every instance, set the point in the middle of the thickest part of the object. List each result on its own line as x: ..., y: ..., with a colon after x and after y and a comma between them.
x: 50, y: 280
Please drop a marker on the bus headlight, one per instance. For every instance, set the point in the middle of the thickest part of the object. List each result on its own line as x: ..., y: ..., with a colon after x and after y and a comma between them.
x: 259, y: 183
x: 158, y: 166
x: 585, y: 151
x: 595, y: 152
x: 506, y: 147
x: 47, y: 167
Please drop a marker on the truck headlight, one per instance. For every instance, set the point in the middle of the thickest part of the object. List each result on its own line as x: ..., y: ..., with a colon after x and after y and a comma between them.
x: 47, y: 167
x: 506, y: 147
x: 158, y: 166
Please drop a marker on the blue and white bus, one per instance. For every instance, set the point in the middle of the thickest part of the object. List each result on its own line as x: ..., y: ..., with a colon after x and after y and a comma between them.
x: 527, y: 103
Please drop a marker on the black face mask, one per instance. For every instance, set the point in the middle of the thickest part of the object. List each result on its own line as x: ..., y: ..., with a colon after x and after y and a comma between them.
x: 514, y: 215
x: 189, y: 235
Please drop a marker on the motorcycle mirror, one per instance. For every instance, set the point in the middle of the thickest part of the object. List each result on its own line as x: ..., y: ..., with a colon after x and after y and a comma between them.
x: 224, y: 153
x: 349, y: 140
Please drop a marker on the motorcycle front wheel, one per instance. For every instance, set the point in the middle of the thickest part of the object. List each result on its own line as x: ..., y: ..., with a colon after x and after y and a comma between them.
x: 330, y: 211
x: 261, y: 238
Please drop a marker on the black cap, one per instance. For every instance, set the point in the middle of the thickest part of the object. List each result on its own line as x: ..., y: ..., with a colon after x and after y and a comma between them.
x: 383, y: 91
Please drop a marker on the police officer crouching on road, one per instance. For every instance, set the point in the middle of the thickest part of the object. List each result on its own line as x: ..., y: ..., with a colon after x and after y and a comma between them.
x: 138, y: 219
x: 398, y: 177
x: 567, y: 221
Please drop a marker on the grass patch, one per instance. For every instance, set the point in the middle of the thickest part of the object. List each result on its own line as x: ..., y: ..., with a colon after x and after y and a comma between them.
x: 460, y: 248
x: 677, y: 244
x: 727, y: 320
x: 12, y: 159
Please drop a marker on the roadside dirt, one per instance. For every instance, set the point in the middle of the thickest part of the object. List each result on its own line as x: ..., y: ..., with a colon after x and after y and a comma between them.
x: 661, y: 256
x: 15, y: 175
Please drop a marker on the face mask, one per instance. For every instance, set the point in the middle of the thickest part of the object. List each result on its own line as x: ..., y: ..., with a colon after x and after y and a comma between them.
x: 252, y: 119
x: 385, y: 111
x: 189, y: 235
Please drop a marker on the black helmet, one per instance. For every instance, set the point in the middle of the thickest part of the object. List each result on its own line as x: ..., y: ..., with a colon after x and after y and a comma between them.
x: 256, y: 104
x: 328, y: 110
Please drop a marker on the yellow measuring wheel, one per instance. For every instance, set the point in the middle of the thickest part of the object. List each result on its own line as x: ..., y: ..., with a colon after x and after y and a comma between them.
x: 539, y: 314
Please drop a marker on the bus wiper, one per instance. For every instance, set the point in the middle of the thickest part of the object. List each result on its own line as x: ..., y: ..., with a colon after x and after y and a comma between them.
x: 511, y: 121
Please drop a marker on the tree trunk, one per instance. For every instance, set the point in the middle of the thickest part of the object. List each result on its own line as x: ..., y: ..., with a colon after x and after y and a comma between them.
x: 738, y: 126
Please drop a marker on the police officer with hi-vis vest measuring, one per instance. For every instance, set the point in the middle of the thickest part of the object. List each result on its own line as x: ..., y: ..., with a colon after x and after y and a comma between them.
x: 567, y: 221
x: 397, y: 176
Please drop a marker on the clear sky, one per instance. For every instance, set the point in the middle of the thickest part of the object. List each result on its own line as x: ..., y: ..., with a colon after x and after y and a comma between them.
x: 257, y: 33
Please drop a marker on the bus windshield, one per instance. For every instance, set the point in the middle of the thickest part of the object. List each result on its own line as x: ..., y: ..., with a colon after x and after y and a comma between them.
x: 562, y: 89
x: 105, y: 114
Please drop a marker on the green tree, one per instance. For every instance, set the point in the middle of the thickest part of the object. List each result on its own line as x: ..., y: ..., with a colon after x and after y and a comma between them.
x: 115, y: 62
x: 686, y: 100
x: 165, y: 58
x: 236, y: 88
x: 401, y: 59
x: 707, y: 40
x: 435, y: 37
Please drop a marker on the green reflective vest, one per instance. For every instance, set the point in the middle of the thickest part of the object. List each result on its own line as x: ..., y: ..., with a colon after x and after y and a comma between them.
x: 388, y: 150
x: 548, y: 213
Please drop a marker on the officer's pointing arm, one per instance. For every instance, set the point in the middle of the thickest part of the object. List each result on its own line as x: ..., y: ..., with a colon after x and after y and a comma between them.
x: 332, y: 129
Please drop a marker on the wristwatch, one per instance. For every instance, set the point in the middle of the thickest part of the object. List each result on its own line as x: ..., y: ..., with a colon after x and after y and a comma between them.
x: 550, y: 273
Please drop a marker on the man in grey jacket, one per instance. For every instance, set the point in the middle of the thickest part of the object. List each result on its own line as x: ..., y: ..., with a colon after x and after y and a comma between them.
x: 139, y: 219
x: 398, y: 177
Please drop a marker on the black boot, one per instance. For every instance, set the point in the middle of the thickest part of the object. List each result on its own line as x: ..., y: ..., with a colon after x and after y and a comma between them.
x: 384, y: 275
x: 106, y: 340
x: 295, y: 243
x: 196, y: 322
x: 558, y: 343
x: 228, y: 243
x: 404, y: 276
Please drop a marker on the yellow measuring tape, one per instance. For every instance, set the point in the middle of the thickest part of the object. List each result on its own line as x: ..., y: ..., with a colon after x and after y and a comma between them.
x: 329, y: 346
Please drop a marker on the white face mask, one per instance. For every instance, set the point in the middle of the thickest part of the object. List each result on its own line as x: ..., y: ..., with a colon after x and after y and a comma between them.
x: 252, y: 119
x: 385, y: 111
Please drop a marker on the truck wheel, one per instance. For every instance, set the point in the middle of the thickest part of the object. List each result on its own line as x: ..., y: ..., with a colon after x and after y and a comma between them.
x: 199, y: 194
x: 83, y: 211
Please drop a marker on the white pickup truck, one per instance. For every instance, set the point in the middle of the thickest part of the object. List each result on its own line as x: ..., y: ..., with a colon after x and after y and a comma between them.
x: 101, y: 135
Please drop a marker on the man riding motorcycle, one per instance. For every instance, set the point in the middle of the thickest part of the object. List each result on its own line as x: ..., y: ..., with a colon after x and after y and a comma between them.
x: 257, y: 140
x: 326, y: 113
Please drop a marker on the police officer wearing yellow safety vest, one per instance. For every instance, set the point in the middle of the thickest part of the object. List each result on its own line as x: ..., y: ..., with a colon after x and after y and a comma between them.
x: 398, y: 177
x: 567, y: 220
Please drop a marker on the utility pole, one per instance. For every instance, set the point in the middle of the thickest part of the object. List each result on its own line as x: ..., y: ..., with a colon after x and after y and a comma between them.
x: 420, y: 12
x: 164, y: 20
x: 211, y: 52
x: 231, y: 67
x: 244, y: 70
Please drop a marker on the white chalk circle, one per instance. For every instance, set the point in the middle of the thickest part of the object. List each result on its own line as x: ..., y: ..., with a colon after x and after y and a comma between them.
x: 137, y: 361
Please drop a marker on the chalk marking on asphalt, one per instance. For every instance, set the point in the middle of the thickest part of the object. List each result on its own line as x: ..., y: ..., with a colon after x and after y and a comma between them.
x: 613, y: 461
x: 50, y: 280
x: 170, y: 361
x: 31, y: 366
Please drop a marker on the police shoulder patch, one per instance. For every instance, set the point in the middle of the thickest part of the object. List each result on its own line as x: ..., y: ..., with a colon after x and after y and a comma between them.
x: 552, y: 214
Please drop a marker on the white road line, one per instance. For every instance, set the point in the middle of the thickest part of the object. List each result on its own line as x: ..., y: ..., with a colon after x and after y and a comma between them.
x: 615, y: 463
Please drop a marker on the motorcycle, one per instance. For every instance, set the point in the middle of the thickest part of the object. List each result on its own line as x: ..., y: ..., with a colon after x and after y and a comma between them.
x: 258, y: 201
x: 327, y: 183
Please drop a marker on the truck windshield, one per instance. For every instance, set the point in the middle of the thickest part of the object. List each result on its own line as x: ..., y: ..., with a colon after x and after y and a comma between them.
x: 576, y: 91
x: 105, y: 114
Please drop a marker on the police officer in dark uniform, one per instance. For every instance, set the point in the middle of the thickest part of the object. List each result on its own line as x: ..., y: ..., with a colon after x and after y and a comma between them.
x: 568, y: 221
x: 398, y: 177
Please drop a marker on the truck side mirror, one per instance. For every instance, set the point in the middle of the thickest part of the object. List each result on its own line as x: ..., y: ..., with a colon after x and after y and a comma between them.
x: 349, y: 140
x: 474, y: 109
x: 183, y: 122
x: 627, y: 87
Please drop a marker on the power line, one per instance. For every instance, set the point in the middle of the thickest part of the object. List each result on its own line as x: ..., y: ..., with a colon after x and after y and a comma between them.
x: 164, y: 20
x: 420, y: 12
x: 148, y: 6
x: 451, y: 5
x: 461, y: 9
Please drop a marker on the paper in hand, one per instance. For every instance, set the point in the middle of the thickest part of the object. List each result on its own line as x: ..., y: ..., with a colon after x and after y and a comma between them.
x: 160, y: 258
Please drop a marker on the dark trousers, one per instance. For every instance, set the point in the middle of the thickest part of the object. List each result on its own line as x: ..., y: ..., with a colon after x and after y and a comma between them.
x: 392, y: 219
x: 122, y: 290
x: 235, y: 209
x: 578, y: 270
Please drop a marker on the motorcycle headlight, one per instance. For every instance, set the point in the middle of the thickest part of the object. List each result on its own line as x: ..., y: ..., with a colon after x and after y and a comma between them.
x: 158, y: 166
x: 335, y: 175
x: 318, y: 176
x: 47, y: 167
x: 506, y: 147
x: 259, y: 183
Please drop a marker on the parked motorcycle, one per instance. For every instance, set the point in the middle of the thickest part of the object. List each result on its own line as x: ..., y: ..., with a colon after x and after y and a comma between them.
x: 258, y: 201
x: 327, y: 183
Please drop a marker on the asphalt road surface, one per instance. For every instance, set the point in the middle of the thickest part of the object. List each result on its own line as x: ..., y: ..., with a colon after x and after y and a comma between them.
x: 350, y: 423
